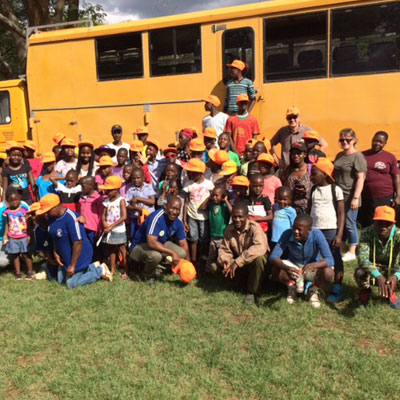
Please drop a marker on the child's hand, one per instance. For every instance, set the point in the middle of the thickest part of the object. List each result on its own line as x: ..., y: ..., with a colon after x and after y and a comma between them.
x: 142, y: 159
x: 29, y: 239
x: 81, y: 219
x: 186, y: 227
x: 107, y: 229
x: 5, y: 240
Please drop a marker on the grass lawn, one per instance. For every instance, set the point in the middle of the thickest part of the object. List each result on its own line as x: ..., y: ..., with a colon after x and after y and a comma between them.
x: 131, y: 340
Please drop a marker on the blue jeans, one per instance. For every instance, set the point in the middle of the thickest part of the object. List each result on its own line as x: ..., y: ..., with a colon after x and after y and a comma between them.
x: 329, y: 236
x: 84, y: 277
x: 351, y: 231
x: 199, y: 230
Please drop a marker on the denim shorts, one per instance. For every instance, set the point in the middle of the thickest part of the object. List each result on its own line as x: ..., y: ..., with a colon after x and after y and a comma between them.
x: 115, y: 238
x: 17, y: 246
x: 199, y: 230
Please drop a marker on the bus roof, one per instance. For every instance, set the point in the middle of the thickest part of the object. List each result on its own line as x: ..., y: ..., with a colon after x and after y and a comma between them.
x: 221, y: 14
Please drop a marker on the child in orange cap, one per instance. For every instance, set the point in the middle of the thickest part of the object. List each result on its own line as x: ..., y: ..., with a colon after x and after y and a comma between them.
x: 326, y: 207
x: 195, y: 220
x: 86, y: 159
x: 224, y: 141
x: 238, y: 85
x: 210, y: 138
x: 139, y: 159
x: 106, y: 165
x: 68, y: 158
x: 43, y: 182
x: 240, y: 186
x: 36, y: 163
x: 215, y: 119
x: 113, y: 219
x: 265, y: 163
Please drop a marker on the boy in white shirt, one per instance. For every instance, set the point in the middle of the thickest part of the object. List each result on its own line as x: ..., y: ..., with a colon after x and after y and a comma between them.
x: 215, y: 119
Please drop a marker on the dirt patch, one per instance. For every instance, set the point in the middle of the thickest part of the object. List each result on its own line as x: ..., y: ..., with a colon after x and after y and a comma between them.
x: 35, y: 359
x: 369, y: 344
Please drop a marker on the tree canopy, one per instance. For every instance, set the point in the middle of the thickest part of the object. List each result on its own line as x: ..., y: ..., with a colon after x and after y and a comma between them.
x: 16, y: 16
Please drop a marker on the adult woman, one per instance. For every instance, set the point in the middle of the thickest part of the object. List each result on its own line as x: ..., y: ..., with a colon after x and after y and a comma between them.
x: 69, y: 159
x: 382, y: 183
x: 349, y: 173
x: 298, y: 178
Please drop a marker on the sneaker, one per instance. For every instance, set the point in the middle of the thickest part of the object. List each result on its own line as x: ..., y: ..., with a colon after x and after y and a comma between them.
x: 292, y: 294
x: 29, y: 277
x: 41, y: 276
x: 364, y: 296
x: 249, y: 299
x: 106, y: 274
x: 336, y: 294
x: 348, y: 257
x: 18, y: 277
x: 394, y: 302
x: 314, y: 299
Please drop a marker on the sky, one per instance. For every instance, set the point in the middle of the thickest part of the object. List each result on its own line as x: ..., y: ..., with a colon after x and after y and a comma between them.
x: 131, y: 10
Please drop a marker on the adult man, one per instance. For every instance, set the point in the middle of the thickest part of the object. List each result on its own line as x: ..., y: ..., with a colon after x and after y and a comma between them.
x: 216, y: 119
x: 243, y: 251
x: 379, y: 257
x: 290, y: 134
x: 116, y: 144
x: 152, y: 242
x: 303, y: 244
x: 72, y: 249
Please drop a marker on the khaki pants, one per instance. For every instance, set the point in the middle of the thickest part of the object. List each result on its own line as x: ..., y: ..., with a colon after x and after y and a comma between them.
x: 152, y: 258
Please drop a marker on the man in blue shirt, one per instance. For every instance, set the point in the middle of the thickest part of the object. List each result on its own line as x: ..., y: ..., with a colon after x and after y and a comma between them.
x: 302, y: 247
x: 151, y: 244
x: 72, y: 249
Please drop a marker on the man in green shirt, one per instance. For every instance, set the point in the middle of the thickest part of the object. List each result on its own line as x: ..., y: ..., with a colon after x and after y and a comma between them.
x: 378, y: 258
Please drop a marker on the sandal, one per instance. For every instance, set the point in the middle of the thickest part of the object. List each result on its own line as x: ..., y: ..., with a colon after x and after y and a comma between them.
x: 124, y: 276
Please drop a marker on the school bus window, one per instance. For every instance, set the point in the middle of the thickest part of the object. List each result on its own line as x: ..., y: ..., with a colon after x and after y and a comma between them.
x: 365, y: 39
x: 175, y: 51
x: 238, y: 44
x: 119, y: 57
x: 5, y: 114
x: 295, y: 47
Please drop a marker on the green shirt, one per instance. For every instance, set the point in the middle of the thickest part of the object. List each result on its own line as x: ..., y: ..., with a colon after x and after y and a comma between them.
x: 234, y: 157
x: 219, y: 219
x: 370, y: 239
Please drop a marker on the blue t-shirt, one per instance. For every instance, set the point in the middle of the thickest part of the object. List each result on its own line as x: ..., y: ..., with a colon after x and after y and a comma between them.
x: 66, y: 230
x: 283, y: 220
x: 43, y: 240
x: 46, y: 187
x: 157, y: 224
x: 3, y: 219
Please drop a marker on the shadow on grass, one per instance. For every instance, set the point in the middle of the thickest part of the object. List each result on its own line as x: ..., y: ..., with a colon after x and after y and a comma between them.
x: 346, y: 308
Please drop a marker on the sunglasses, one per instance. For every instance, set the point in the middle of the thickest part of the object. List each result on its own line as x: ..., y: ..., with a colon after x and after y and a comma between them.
x: 290, y: 117
x: 348, y: 141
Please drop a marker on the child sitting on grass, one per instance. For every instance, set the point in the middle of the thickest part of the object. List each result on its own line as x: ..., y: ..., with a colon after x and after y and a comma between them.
x: 113, y: 219
x: 16, y: 238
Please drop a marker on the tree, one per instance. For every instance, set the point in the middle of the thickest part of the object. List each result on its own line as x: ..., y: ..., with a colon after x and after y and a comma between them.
x: 16, y: 16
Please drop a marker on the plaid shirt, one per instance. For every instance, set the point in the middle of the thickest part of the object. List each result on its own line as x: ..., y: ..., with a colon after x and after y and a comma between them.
x: 365, y: 255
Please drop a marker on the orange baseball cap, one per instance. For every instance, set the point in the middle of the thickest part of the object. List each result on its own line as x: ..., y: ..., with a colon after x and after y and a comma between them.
x: 228, y: 168
x: 137, y: 145
x: 34, y: 207
x: 58, y: 137
x: 142, y: 130
x: 143, y: 215
x: 86, y: 143
x: 195, y: 165
x: 68, y: 142
x: 29, y: 144
x: 251, y: 142
x: 240, y: 180
x: 48, y: 157
x: 385, y: 213
x: 214, y: 100
x: 311, y: 135
x: 326, y: 166
x: 154, y: 142
x: 13, y: 144
x: 292, y: 110
x: 266, y: 157
x: 48, y: 202
x: 197, y: 145
x: 112, y: 182
x: 210, y: 132
x: 242, y: 97
x: 267, y: 142
x: 3, y: 155
x: 170, y: 150
x: 218, y: 156
x: 106, y: 161
x: 185, y: 269
x: 237, y: 64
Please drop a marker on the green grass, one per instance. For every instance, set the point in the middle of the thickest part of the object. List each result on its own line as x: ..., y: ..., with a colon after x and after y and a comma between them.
x: 130, y: 340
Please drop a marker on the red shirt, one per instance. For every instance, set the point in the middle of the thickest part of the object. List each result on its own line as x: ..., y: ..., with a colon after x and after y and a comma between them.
x: 381, y: 168
x: 242, y: 130
x: 36, y: 165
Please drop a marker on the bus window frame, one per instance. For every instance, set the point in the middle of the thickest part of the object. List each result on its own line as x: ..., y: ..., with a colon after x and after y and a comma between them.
x: 121, y: 78
x: 327, y: 13
x: 174, y: 46
x: 9, y: 107
x: 253, y: 78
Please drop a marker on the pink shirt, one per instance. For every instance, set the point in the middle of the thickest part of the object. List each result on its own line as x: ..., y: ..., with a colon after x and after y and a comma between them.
x: 124, y: 188
x: 270, y: 185
x: 16, y: 220
x: 91, y: 207
x: 36, y: 165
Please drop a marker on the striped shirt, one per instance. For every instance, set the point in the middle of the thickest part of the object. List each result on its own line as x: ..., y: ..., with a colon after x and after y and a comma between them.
x: 233, y: 89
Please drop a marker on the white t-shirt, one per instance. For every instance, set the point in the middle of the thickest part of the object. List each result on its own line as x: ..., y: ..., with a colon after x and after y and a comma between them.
x: 63, y: 167
x: 323, y: 211
x: 198, y: 192
x: 114, y: 214
x: 116, y: 148
x: 218, y: 122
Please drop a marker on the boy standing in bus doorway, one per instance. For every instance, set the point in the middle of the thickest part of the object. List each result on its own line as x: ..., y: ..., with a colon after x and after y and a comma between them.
x: 216, y: 119
x: 290, y: 134
x: 117, y: 143
x: 236, y: 86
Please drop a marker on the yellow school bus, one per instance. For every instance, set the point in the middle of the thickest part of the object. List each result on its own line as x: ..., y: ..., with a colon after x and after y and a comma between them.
x: 337, y: 60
